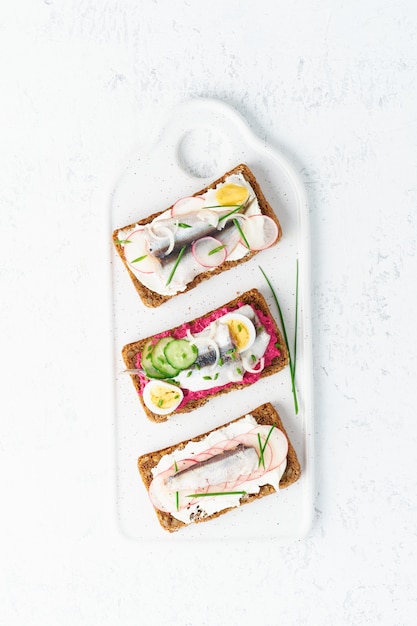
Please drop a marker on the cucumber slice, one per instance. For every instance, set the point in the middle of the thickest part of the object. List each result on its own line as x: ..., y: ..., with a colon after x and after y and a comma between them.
x: 159, y: 360
x: 147, y: 365
x: 181, y: 353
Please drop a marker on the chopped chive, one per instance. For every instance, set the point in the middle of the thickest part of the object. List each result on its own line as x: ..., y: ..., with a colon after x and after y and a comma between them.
x: 268, y: 435
x: 263, y: 447
x: 183, y: 225
x: 181, y: 252
x: 220, y: 362
x: 261, y: 452
x: 217, y: 493
x: 253, y: 357
x: 239, y: 327
x: 177, y: 395
x: 160, y: 402
x: 217, y: 249
x: 242, y: 234
x: 281, y: 317
x: 296, y: 320
x: 222, y: 206
x: 175, y: 466
x: 278, y: 345
x: 189, y: 373
x: 122, y: 241
x: 216, y: 375
x: 197, y: 367
x: 239, y: 371
x: 231, y: 350
x: 238, y: 207
x: 140, y: 258
x: 194, y: 348
x: 207, y: 378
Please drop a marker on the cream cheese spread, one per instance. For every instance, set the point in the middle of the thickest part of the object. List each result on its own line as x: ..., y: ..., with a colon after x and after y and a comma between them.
x: 186, y: 506
x: 167, y: 276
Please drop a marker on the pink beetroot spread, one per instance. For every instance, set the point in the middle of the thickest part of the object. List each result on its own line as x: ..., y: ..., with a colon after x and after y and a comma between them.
x: 199, y: 325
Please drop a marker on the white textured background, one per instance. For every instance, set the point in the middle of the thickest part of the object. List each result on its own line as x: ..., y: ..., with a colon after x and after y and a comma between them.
x: 333, y: 84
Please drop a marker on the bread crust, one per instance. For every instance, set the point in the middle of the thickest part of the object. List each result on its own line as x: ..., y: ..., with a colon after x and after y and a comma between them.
x: 264, y: 415
x: 253, y: 297
x: 152, y: 299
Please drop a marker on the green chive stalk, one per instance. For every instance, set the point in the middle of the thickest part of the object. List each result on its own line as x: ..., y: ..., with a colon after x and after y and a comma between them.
x: 292, y: 357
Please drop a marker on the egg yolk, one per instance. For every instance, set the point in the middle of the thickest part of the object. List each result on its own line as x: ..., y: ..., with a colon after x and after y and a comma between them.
x: 164, y: 398
x: 239, y: 333
x: 230, y: 194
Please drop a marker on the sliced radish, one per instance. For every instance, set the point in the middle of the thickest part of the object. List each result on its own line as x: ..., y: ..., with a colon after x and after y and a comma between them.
x: 260, y: 231
x: 189, y: 204
x: 192, y: 501
x: 209, y: 252
x: 137, y: 253
x: 182, y: 465
x: 165, y: 215
x: 276, y: 449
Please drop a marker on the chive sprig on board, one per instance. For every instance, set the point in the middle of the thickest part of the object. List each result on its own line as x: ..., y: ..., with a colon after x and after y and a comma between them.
x: 293, y: 356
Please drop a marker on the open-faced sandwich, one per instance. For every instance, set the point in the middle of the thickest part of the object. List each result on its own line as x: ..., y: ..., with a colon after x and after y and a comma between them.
x: 200, y: 479
x: 218, y: 227
x: 178, y: 370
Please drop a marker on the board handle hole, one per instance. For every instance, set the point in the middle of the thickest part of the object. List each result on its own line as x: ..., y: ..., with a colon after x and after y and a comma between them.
x: 204, y: 152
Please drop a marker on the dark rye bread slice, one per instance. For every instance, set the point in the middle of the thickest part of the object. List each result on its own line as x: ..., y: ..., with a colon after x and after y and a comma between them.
x: 265, y: 415
x: 253, y: 297
x: 152, y: 299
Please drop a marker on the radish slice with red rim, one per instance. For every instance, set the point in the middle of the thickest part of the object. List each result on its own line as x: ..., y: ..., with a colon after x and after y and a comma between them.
x: 187, y: 205
x: 260, y: 231
x: 209, y: 252
x: 137, y: 253
x: 163, y: 216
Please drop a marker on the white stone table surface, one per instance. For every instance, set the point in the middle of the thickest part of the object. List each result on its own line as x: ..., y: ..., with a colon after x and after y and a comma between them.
x: 84, y: 83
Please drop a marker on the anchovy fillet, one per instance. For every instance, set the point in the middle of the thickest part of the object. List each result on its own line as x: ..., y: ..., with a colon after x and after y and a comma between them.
x: 188, y: 228
x: 193, y: 227
x: 207, y: 355
x: 223, y: 467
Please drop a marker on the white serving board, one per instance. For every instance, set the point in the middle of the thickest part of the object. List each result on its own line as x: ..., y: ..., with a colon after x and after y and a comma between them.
x: 202, y: 140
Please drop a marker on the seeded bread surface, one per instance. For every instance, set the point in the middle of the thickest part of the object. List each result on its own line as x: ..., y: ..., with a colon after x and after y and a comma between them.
x: 152, y: 299
x: 253, y: 297
x: 264, y: 415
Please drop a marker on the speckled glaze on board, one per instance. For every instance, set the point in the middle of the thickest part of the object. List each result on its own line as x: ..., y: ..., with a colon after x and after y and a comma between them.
x: 201, y: 140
